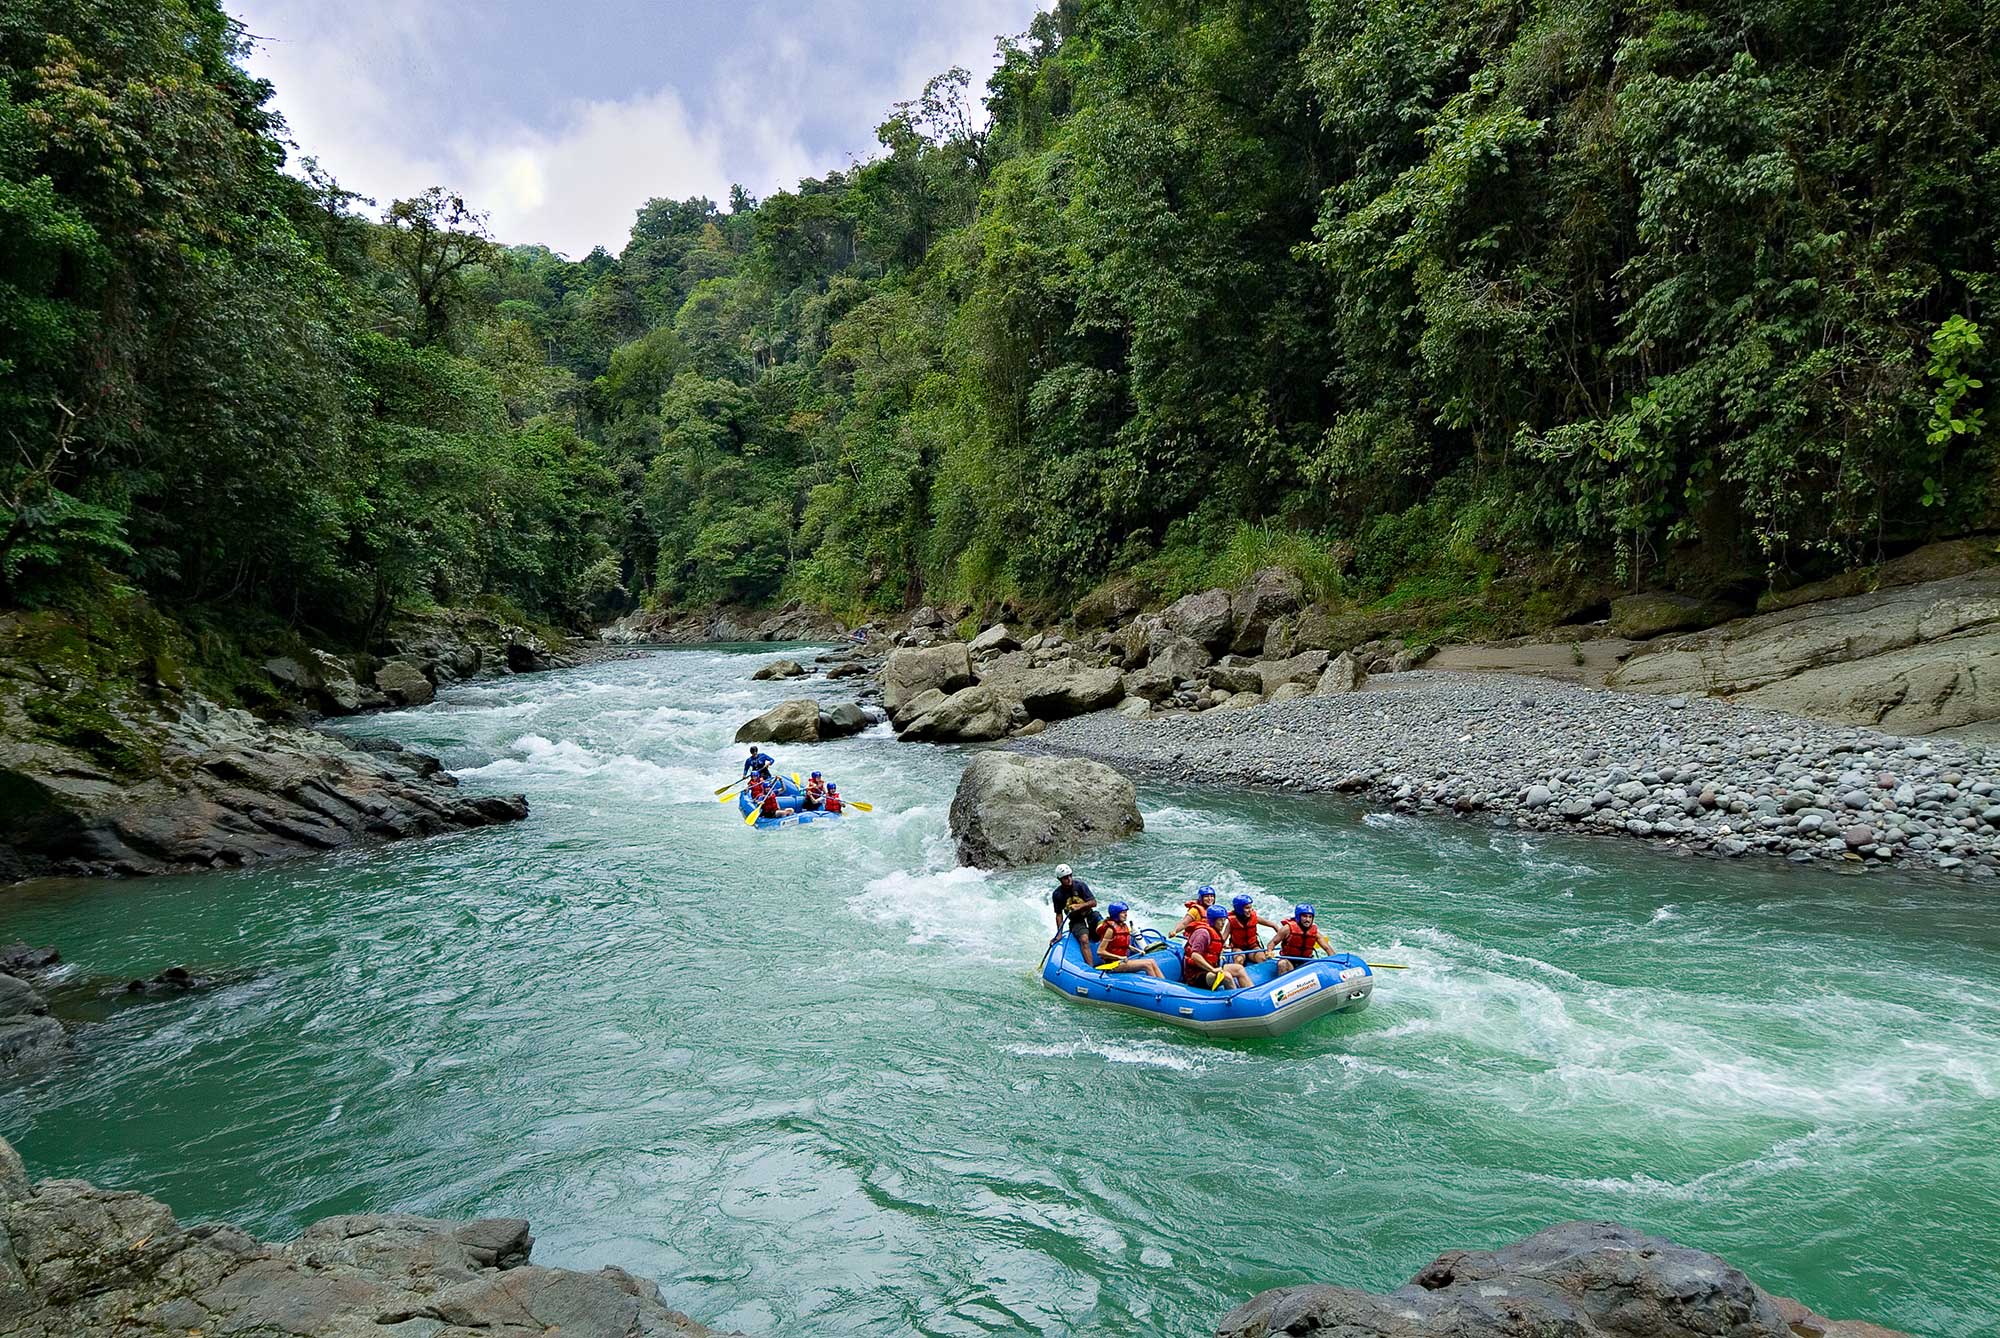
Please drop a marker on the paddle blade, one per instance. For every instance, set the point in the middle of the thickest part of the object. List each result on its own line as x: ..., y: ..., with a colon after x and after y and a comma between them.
x: 1387, y: 966
x: 750, y: 820
x: 865, y: 808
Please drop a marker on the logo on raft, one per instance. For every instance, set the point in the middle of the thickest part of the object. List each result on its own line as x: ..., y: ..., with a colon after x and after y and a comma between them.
x: 1293, y: 990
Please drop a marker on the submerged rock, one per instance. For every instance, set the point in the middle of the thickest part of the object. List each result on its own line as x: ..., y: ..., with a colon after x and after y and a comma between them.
x: 1579, y: 1280
x: 1012, y: 810
x: 81, y: 1262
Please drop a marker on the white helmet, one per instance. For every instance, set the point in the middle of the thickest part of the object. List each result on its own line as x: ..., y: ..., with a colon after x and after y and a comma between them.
x: 1064, y: 871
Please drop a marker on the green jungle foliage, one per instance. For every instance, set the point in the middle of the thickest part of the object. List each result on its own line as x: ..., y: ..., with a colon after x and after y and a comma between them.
x: 1397, y: 295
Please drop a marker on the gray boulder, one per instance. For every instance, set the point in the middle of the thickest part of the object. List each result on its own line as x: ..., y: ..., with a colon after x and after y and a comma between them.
x: 909, y: 674
x: 1303, y: 669
x: 847, y: 669
x: 995, y: 640
x: 971, y: 715
x: 837, y: 722
x: 1060, y: 694
x: 795, y: 721
x: 1236, y: 674
x: 1259, y: 602
x: 1655, y: 613
x: 404, y: 684
x: 1579, y: 1280
x: 779, y: 669
x: 1149, y: 685
x: 1179, y: 656
x: 1286, y: 692
x: 1911, y: 660
x: 28, y: 1035
x: 81, y: 1262
x: 1012, y: 810
x: 1205, y: 618
x: 1342, y: 674
x: 339, y: 691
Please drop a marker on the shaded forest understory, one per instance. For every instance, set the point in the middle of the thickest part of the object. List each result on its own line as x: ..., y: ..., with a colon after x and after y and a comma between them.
x: 1495, y: 305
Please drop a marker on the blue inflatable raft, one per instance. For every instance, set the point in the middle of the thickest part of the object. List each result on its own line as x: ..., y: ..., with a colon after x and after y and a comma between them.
x: 791, y: 806
x: 1272, y: 1006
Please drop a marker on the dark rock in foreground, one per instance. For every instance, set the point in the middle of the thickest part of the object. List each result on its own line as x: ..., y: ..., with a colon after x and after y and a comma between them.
x: 1577, y: 1280
x: 1012, y: 810
x: 123, y: 785
x: 81, y: 1262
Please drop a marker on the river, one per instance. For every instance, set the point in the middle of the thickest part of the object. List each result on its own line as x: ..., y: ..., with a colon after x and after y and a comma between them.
x: 806, y: 1078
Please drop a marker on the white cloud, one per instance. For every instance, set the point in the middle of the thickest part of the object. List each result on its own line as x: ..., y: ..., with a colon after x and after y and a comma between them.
x: 363, y: 93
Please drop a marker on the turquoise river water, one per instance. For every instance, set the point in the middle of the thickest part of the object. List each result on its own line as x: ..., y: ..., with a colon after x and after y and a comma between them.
x: 806, y: 1078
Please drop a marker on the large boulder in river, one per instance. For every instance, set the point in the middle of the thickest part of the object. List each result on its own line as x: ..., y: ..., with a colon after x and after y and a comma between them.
x: 404, y: 684
x: 970, y: 715
x: 1912, y: 660
x: 1012, y: 809
x: 779, y: 669
x: 837, y: 722
x: 1579, y: 1279
x: 795, y: 721
x: 28, y: 1034
x: 911, y: 673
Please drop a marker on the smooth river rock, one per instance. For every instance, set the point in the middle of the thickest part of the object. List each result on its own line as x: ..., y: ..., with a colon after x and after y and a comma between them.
x: 795, y: 721
x: 779, y: 669
x: 1012, y: 810
x: 1913, y: 660
x: 910, y: 673
x: 1576, y: 1280
x: 81, y: 1262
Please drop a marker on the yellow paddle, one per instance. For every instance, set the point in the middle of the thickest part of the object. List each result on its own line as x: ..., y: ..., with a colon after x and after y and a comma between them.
x: 724, y: 791
x: 1387, y: 966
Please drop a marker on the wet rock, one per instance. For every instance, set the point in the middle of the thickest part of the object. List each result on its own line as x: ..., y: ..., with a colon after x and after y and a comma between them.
x: 795, y: 721
x: 80, y: 1262
x: 837, y: 722
x: 175, y: 980
x: 18, y: 958
x: 908, y: 674
x: 28, y: 1035
x: 1579, y: 1279
x: 847, y: 669
x: 404, y: 684
x: 1012, y: 810
x: 779, y: 669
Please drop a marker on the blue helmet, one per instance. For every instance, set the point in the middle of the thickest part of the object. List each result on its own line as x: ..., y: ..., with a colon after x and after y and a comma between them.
x: 1204, y: 891
x: 832, y: 788
x: 1217, y: 913
x: 1302, y: 910
x: 815, y: 775
x: 1116, y: 909
x: 1240, y: 900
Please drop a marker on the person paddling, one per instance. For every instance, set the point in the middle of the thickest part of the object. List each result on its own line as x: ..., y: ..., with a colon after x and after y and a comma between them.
x: 1114, y: 944
x: 815, y: 792
x: 756, y: 762
x: 1076, y: 907
x: 834, y: 803
x: 1197, y: 911
x: 1201, y: 966
x: 1300, y: 937
x: 1242, y: 931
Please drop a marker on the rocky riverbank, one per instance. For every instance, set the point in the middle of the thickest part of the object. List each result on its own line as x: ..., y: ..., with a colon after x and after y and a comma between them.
x: 77, y: 1261
x: 1695, y: 774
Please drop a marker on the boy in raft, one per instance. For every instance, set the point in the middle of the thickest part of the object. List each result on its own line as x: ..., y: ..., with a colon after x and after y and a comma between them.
x: 833, y: 801
x: 815, y: 792
x: 1114, y: 944
x: 1197, y: 911
x: 1076, y: 906
x: 1201, y: 964
x: 1242, y: 932
x: 1299, y: 937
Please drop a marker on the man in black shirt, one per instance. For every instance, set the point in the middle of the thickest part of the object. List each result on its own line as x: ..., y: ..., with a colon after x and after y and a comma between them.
x: 1076, y: 906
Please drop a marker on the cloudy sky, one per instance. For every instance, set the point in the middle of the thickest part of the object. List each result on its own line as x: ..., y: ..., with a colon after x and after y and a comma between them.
x: 561, y: 119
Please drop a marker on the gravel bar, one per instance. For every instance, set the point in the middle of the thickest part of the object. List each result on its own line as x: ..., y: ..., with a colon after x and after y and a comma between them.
x: 1699, y: 774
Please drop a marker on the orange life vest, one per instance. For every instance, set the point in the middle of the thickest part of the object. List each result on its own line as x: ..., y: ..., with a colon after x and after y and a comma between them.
x: 1242, y: 933
x: 1117, y: 938
x: 1297, y: 940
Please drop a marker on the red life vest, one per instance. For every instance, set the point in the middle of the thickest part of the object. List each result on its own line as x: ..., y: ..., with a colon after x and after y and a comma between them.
x: 1117, y: 938
x: 1201, y: 939
x: 756, y: 787
x: 815, y: 789
x: 1297, y: 940
x: 833, y: 803
x: 771, y: 804
x: 1242, y: 933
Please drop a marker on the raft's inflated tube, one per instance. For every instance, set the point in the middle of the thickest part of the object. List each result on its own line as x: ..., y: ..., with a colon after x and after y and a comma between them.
x: 1271, y: 1006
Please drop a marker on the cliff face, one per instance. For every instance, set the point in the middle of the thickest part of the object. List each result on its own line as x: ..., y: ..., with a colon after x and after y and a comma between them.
x: 81, y: 1262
